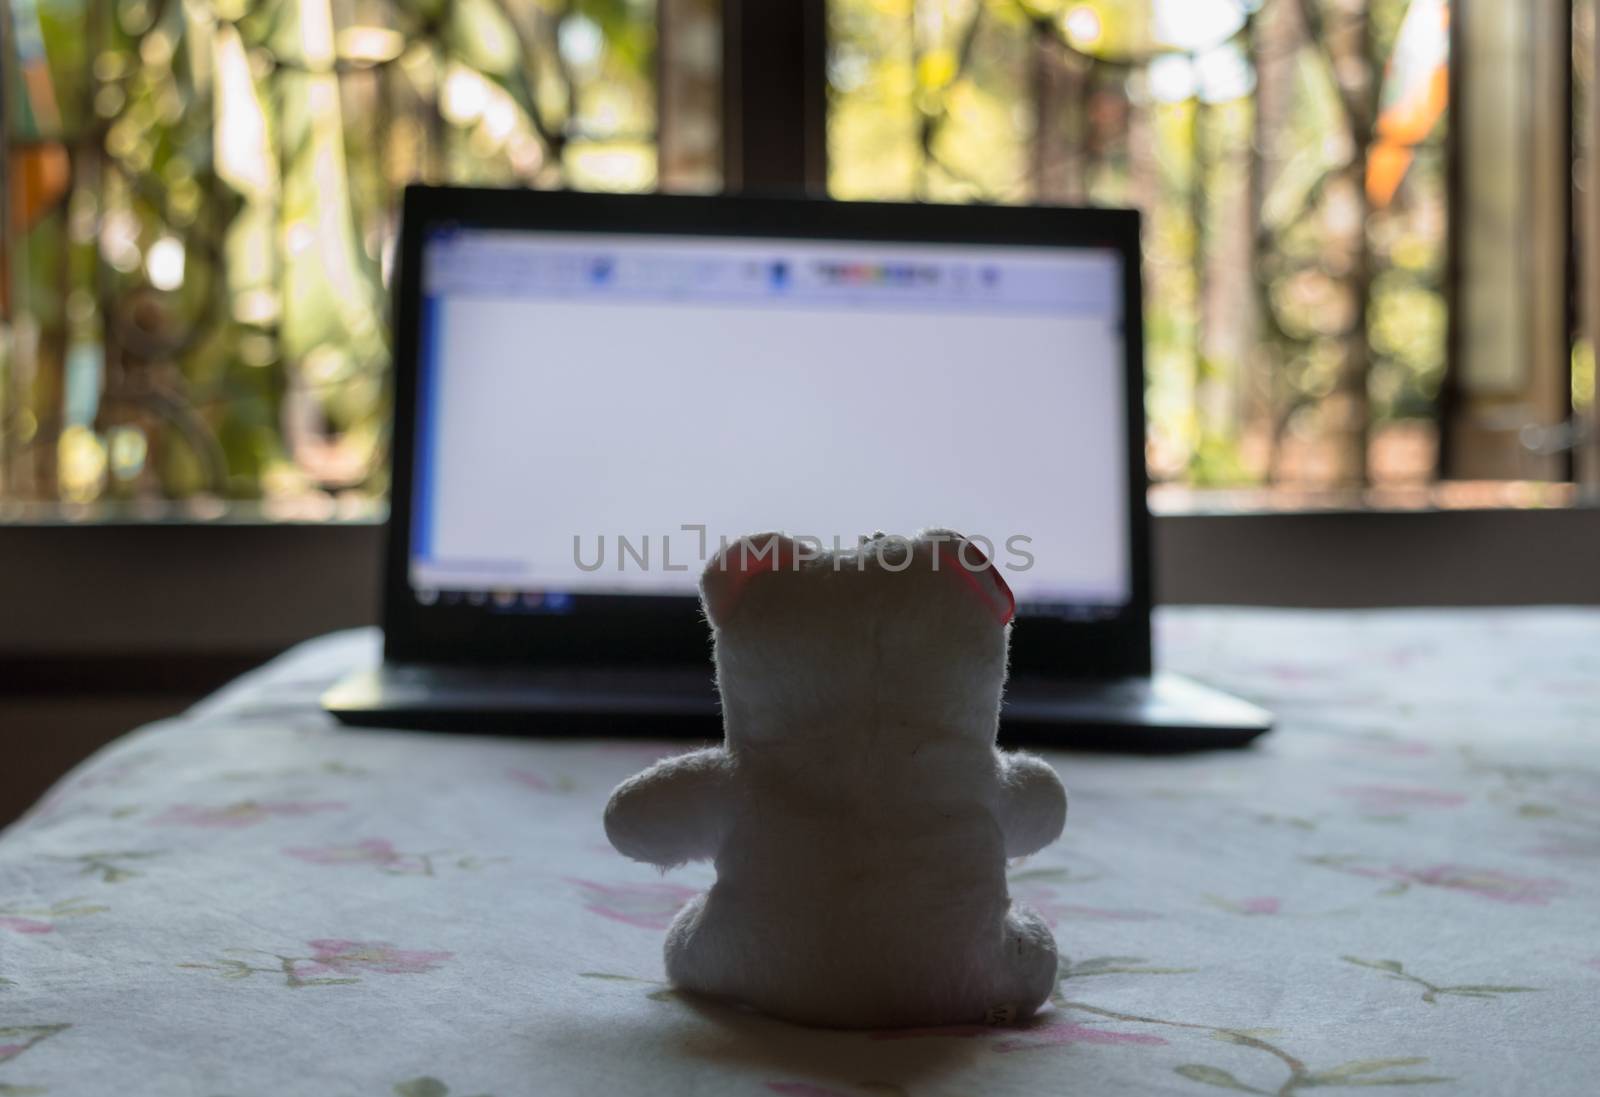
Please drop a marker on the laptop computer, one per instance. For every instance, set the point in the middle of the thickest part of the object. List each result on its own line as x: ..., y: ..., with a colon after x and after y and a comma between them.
x: 594, y: 392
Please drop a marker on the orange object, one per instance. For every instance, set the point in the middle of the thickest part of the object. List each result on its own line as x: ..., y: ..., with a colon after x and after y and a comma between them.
x: 38, y: 176
x: 1416, y: 91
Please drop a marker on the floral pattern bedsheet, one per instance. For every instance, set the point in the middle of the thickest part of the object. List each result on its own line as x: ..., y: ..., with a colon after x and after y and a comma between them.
x: 1397, y: 889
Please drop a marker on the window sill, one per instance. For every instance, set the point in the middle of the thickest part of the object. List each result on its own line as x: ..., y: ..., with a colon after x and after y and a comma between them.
x: 239, y: 589
x: 1451, y: 495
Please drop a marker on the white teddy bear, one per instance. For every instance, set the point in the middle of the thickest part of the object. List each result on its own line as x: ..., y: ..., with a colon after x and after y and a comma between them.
x: 858, y: 813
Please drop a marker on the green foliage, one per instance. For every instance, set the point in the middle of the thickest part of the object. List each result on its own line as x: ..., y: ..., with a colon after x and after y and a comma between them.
x: 218, y: 242
x: 1260, y: 248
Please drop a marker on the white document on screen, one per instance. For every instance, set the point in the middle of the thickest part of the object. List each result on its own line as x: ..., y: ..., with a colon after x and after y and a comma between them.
x: 559, y: 425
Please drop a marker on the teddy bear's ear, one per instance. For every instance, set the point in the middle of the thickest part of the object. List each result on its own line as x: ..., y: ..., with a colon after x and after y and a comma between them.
x: 970, y: 566
x: 723, y: 582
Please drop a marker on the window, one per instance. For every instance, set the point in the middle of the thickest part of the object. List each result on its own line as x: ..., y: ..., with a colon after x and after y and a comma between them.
x: 202, y: 194
x: 1289, y: 160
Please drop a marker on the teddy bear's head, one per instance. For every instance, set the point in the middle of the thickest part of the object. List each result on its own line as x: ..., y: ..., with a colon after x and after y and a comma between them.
x: 895, y: 638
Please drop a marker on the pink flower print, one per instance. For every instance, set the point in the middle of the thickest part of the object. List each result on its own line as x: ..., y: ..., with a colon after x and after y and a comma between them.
x: 332, y: 961
x: 1567, y: 847
x: 245, y: 813
x: 1408, y: 748
x: 1500, y: 887
x: 29, y: 1035
x: 540, y: 783
x: 1393, y: 798
x: 380, y: 853
x: 531, y: 779
x: 1401, y: 657
x: 25, y: 925
x: 1394, y: 748
x: 1292, y: 672
x: 1055, y: 1035
x: 1581, y: 799
x: 1593, y: 962
x: 648, y: 906
x: 353, y: 957
x: 368, y: 851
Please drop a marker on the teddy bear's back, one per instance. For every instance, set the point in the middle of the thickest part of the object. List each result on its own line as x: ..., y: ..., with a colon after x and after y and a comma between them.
x: 879, y: 909
x: 927, y: 842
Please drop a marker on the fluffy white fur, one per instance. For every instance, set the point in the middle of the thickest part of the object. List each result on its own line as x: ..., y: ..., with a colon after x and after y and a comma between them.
x: 858, y: 812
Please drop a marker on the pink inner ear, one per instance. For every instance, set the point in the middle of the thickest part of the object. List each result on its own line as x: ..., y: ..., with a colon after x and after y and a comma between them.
x: 731, y: 571
x: 985, y: 581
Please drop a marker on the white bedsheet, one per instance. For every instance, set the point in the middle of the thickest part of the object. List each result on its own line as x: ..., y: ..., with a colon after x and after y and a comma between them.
x: 1399, y: 887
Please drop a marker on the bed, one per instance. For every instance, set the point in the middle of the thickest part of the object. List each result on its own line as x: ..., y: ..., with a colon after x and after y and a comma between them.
x: 1398, y: 888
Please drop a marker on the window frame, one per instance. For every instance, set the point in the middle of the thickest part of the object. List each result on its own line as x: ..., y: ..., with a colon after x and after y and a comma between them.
x: 173, y: 606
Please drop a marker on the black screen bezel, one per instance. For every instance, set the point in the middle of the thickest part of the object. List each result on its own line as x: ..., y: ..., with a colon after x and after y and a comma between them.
x: 668, y: 631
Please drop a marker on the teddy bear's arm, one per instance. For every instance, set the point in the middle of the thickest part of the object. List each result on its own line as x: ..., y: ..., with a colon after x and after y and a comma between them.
x: 1033, y: 805
x: 673, y: 812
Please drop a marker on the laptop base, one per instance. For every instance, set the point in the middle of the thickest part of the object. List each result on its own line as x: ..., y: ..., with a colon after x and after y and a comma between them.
x: 1165, y: 713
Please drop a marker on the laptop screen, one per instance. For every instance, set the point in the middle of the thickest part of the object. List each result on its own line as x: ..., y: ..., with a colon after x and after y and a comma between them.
x: 598, y: 413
